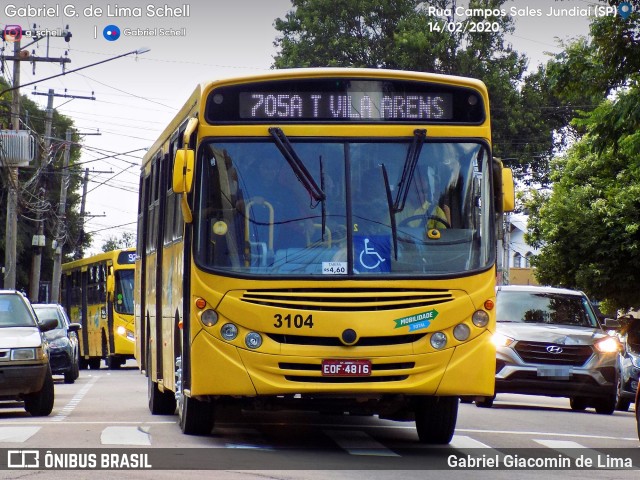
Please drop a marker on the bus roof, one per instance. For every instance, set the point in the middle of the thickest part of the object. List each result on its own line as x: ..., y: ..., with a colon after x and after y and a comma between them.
x: 192, y: 104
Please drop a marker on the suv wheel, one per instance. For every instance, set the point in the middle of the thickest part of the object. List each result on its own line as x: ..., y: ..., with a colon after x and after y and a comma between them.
x: 578, y: 404
x: 622, y: 403
x: 40, y: 404
x: 606, y: 405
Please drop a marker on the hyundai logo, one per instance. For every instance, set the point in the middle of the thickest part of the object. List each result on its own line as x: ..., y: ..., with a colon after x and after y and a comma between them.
x: 554, y: 349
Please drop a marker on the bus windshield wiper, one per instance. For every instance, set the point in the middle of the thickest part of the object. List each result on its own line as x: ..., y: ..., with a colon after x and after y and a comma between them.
x: 409, y: 169
x: 392, y: 213
x: 292, y: 158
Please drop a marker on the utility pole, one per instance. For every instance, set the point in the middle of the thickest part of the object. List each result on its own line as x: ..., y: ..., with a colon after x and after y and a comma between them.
x: 12, y: 195
x: 60, y: 231
x: 11, y: 233
x: 85, y: 181
x: 39, y: 239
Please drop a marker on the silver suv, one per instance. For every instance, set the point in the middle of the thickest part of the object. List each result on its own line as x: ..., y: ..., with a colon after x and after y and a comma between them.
x: 549, y: 342
x: 25, y: 374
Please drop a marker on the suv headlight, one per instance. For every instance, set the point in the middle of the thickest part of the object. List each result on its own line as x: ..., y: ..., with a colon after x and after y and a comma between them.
x: 608, y: 345
x: 500, y: 340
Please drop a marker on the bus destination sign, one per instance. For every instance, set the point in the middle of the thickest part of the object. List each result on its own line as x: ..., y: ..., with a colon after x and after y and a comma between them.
x: 345, y: 100
x: 354, y: 106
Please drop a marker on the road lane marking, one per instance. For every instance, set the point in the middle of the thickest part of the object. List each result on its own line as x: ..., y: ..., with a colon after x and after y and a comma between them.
x: 17, y: 434
x: 359, y: 443
x: 124, y: 436
x: 558, y: 444
x: 462, y: 441
x: 73, y: 403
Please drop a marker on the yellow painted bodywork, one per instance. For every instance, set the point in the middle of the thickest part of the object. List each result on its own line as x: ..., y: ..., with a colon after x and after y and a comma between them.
x: 219, y: 367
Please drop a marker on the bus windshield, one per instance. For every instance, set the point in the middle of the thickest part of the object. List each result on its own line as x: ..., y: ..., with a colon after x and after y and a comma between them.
x: 124, y: 292
x: 388, y: 208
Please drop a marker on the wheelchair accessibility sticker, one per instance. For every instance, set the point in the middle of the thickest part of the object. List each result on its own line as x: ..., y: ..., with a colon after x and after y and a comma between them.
x: 373, y: 253
x: 418, y: 321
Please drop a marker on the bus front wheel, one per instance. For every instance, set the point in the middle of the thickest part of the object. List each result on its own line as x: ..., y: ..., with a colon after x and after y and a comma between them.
x: 196, y: 417
x: 436, y: 419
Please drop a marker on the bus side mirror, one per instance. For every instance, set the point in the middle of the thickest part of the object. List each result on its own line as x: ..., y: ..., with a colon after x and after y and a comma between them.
x: 183, y: 165
x: 508, y: 191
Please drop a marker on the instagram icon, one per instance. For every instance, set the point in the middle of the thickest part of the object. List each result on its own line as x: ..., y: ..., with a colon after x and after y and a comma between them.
x: 12, y: 33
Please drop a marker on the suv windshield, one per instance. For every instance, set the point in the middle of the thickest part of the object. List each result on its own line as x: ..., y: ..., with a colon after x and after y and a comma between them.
x: 381, y: 208
x: 547, y: 308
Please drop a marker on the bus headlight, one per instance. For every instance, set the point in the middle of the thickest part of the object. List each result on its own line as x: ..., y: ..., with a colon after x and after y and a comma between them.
x: 438, y: 340
x: 253, y: 340
x: 461, y: 332
x: 480, y: 318
x: 229, y: 331
x: 121, y: 331
x: 209, y: 318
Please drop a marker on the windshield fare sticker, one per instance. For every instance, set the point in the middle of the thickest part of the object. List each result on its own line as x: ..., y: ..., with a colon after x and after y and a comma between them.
x: 418, y: 321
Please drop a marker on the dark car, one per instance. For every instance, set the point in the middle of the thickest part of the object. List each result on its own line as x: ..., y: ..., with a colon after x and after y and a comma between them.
x: 64, y: 352
x: 629, y: 361
x: 25, y: 374
x: 549, y: 342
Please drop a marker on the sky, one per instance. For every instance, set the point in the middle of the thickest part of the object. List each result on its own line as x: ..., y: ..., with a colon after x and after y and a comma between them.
x: 137, y: 95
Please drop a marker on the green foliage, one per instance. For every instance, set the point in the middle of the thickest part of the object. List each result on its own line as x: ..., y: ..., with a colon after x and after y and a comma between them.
x: 400, y: 34
x: 40, y: 193
x: 127, y: 240
x: 588, y: 228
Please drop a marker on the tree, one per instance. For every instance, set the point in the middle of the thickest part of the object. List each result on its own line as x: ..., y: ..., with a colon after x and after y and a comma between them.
x: 33, y: 181
x: 409, y: 35
x: 588, y: 226
x: 127, y: 240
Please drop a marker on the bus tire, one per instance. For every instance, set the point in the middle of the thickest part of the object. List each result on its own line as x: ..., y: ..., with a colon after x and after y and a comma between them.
x: 196, y: 417
x: 436, y: 419
x: 40, y: 404
x: 113, y: 362
x: 160, y: 403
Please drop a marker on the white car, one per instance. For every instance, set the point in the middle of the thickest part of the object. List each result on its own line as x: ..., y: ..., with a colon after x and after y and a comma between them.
x: 24, y: 357
x: 549, y: 342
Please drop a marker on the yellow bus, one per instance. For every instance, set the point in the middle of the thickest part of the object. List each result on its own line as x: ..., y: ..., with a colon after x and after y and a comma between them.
x: 322, y: 239
x: 97, y: 292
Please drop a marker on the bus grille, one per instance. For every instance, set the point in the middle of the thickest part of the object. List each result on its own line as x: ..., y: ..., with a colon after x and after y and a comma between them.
x: 536, y: 352
x: 336, y: 342
x: 347, y: 299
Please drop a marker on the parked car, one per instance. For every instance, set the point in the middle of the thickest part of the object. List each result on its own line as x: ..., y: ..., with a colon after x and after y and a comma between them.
x: 24, y: 355
x: 64, y: 351
x: 549, y: 342
x: 629, y: 334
